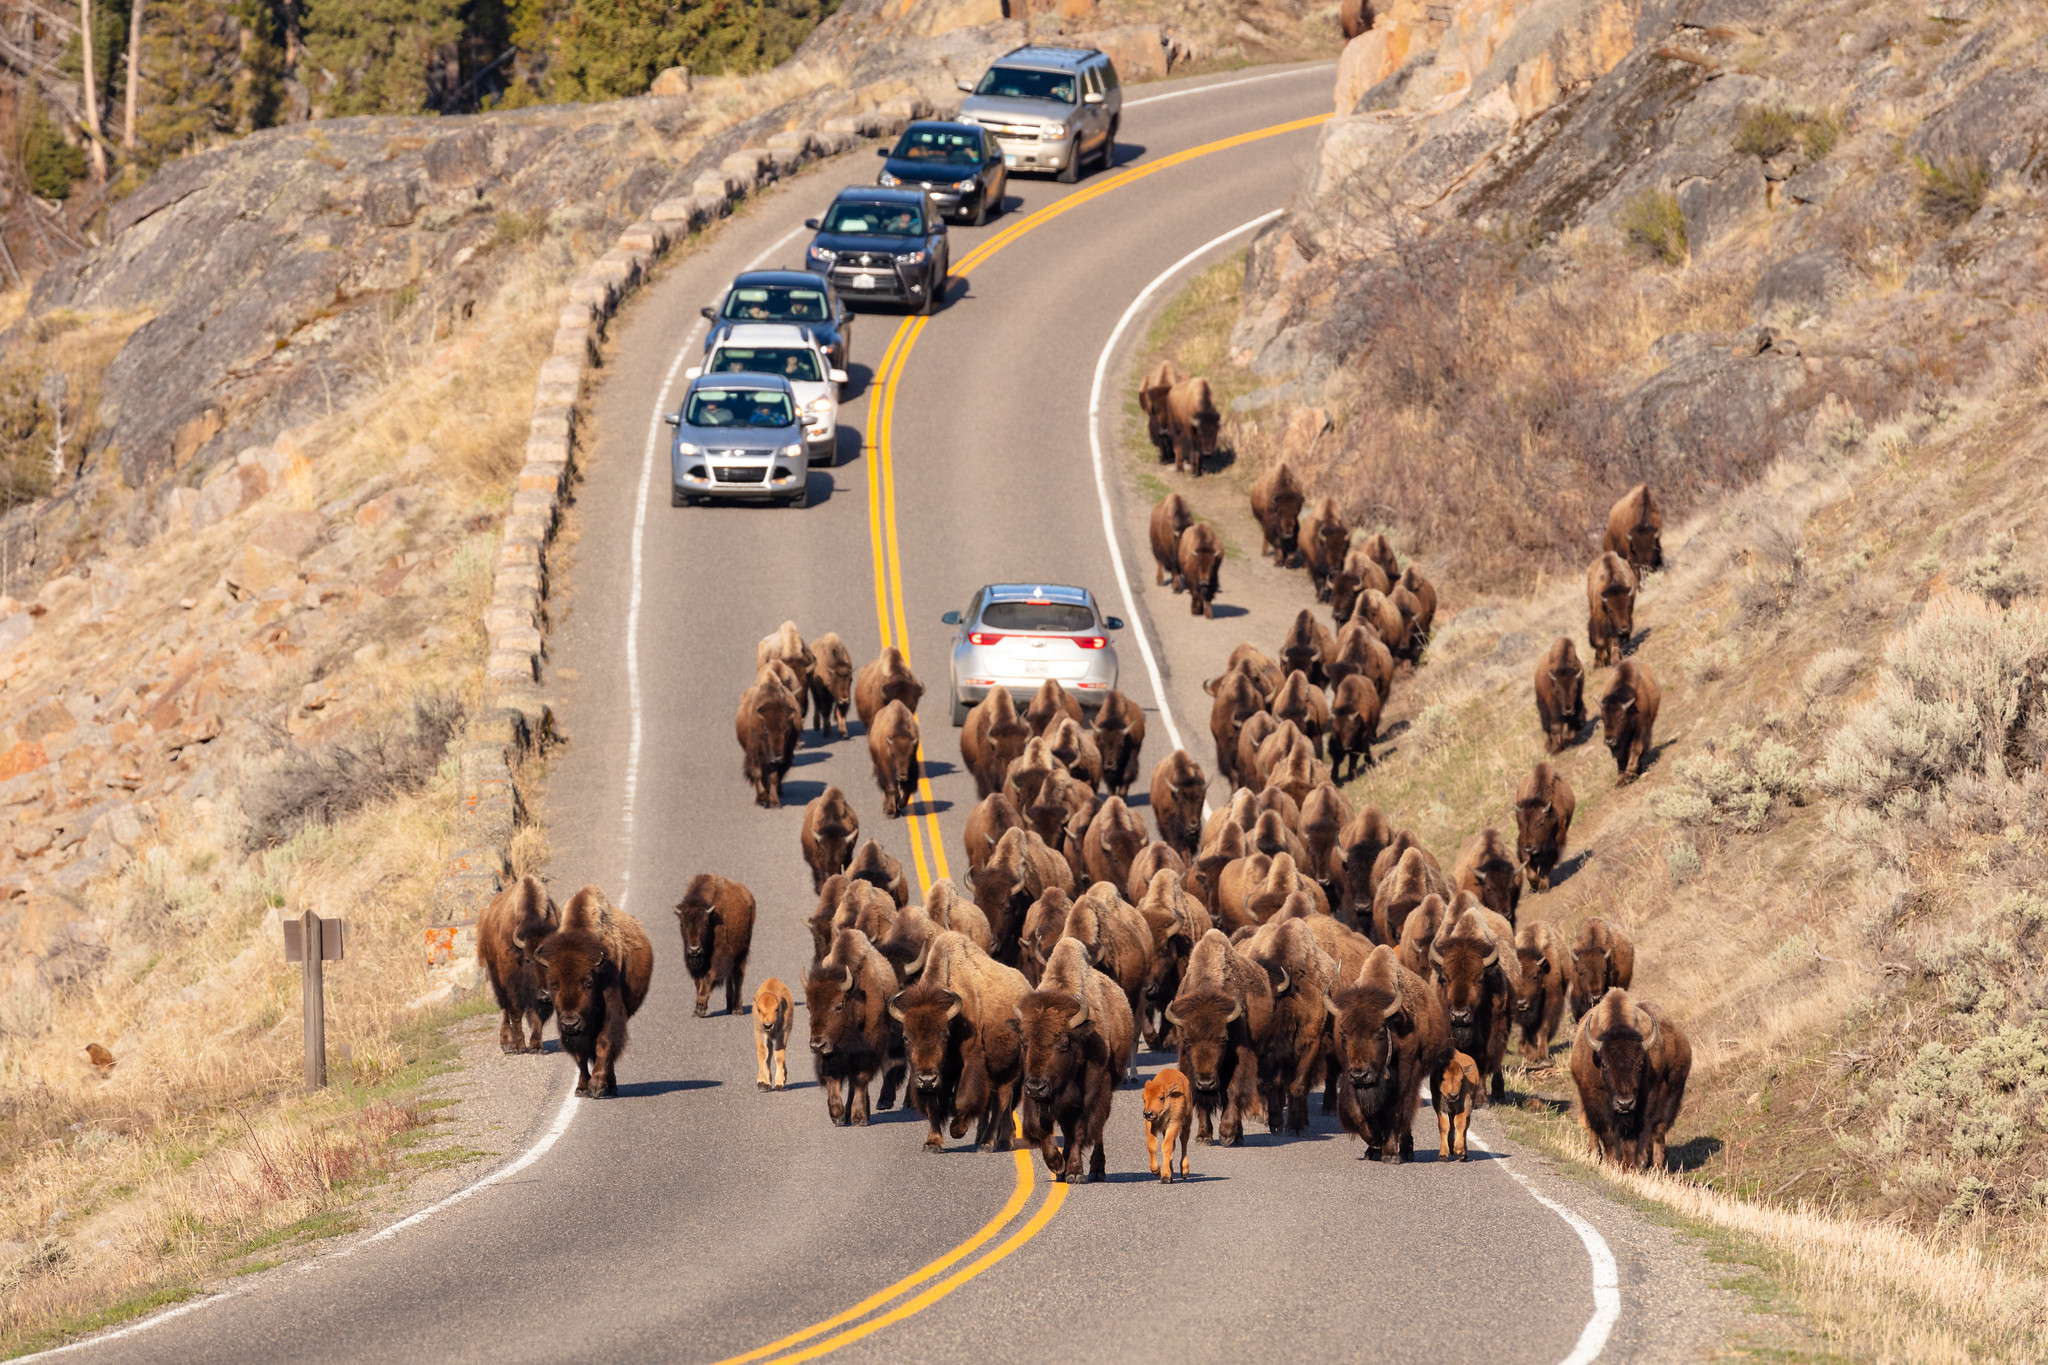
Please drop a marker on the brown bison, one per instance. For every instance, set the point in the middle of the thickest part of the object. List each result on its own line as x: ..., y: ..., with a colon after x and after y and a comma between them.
x: 1250, y: 740
x: 852, y: 1036
x: 1377, y: 610
x: 1048, y: 704
x: 1560, y: 694
x: 1115, y: 838
x: 1179, y: 787
x: 1390, y: 855
x: 1061, y: 814
x: 1418, y: 932
x: 1380, y: 551
x: 1454, y: 1096
x: 1073, y: 747
x: 1603, y: 960
x: 599, y: 965
x: 1304, y: 978
x: 1237, y: 700
x: 1176, y: 921
x: 1422, y: 593
x: 786, y: 647
x: 1152, y: 393
x: 1020, y: 869
x: 1539, y: 996
x: 1223, y: 1008
x: 1479, y: 975
x: 947, y: 908
x: 1354, y: 726
x: 1308, y: 646
x: 1323, y: 817
x: 1201, y: 567
x: 1354, y: 17
x: 1328, y: 542
x: 774, y: 1012
x: 1218, y: 853
x: 830, y: 827
x: 1487, y: 871
x: 510, y: 928
x: 1358, y: 848
x: 768, y: 730
x: 831, y: 682
x: 885, y: 679
x: 1276, y: 506
x: 1028, y: 772
x: 1118, y: 940
x: 1543, y: 821
x: 1390, y: 1035
x: 1192, y: 422
x: 1610, y: 607
x: 1360, y: 571
x: 993, y: 817
x: 1306, y: 705
x: 992, y: 738
x: 1361, y: 651
x: 1078, y: 1041
x: 1153, y: 859
x: 1628, y: 717
x: 1410, y: 608
x: 1266, y: 675
x: 1630, y: 1063
x: 964, y: 1061
x: 716, y: 916
x: 1282, y: 882
x: 1414, y: 876
x: 1635, y: 530
x: 1288, y: 763
x: 1043, y: 922
x: 874, y: 866
x: 1120, y: 739
x: 892, y: 748
x: 849, y: 903
x: 1170, y: 517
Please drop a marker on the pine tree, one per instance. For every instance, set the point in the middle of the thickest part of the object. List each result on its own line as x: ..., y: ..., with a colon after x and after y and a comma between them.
x: 376, y: 56
x: 608, y: 48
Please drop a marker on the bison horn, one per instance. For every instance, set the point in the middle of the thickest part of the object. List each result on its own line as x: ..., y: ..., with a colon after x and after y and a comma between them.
x: 917, y: 963
x: 1236, y: 1013
x: 1330, y: 1004
x: 896, y: 1007
x: 1080, y: 1016
x: 1171, y: 1017
x: 953, y: 1009
x: 1493, y: 953
x: 1436, y: 955
x: 1285, y: 982
x: 1394, y: 1008
x: 849, y: 978
x: 1649, y: 1036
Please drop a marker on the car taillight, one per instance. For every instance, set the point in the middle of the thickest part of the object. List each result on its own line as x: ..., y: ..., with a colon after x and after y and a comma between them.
x: 1091, y: 641
x: 982, y: 637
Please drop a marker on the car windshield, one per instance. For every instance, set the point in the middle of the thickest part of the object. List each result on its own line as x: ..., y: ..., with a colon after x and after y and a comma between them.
x: 798, y: 364
x: 945, y: 146
x: 775, y: 303
x: 739, y: 408
x: 874, y: 220
x: 1062, y: 616
x: 1017, y: 83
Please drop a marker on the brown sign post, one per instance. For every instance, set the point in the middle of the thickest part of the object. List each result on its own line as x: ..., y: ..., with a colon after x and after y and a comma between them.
x: 328, y: 935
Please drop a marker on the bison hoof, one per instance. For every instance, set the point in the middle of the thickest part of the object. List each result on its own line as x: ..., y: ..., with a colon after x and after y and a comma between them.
x: 763, y: 1085
x: 509, y: 1048
x: 1372, y: 1154
x: 700, y: 1012
x: 1462, y: 1156
x: 584, y: 1089
x: 861, y: 1122
x: 933, y: 1145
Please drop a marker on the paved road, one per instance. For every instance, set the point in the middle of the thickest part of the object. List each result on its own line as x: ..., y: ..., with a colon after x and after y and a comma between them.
x: 694, y: 1218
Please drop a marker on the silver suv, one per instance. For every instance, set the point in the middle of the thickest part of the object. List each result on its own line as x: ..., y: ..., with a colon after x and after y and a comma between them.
x: 1051, y: 108
x: 1016, y: 635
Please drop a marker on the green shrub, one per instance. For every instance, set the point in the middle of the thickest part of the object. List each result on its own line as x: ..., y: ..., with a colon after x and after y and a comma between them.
x: 51, y: 163
x: 513, y: 228
x: 26, y: 435
x: 1733, y: 781
x: 1769, y: 130
x: 1951, y: 192
x: 1652, y: 220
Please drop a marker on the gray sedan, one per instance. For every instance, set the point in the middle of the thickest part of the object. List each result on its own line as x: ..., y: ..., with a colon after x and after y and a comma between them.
x: 738, y: 436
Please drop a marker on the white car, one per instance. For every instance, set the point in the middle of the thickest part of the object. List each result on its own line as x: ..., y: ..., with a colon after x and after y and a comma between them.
x: 783, y: 349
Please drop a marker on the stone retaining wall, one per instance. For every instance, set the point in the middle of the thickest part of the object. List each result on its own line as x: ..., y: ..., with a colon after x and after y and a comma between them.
x: 515, y: 720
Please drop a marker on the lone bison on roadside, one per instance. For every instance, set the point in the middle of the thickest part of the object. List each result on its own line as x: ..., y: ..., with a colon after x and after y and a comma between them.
x: 716, y: 916
x: 507, y: 932
x: 1630, y: 1062
x: 599, y: 965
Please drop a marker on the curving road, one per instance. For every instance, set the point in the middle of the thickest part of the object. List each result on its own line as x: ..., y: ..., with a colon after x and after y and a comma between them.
x: 695, y: 1219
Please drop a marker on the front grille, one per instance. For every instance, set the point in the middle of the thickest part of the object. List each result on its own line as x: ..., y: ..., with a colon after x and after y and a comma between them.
x: 740, y: 473
x: 1027, y: 131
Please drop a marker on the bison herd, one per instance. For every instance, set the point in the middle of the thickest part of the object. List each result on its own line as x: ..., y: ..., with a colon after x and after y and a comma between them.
x: 1283, y: 942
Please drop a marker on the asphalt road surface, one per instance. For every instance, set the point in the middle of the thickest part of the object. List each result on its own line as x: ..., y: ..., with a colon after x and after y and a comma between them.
x: 697, y: 1219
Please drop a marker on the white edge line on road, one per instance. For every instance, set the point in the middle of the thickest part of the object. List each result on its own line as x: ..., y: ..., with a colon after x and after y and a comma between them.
x: 1606, y: 1278
x: 1225, y: 85
x: 571, y: 1104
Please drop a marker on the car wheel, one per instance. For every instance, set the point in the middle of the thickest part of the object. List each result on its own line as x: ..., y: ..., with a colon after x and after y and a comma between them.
x: 981, y: 209
x: 802, y: 497
x: 960, y: 710
x: 1070, y: 172
x: 678, y: 498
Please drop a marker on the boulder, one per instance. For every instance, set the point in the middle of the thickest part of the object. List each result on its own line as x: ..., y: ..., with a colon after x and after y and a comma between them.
x: 1805, y: 285
x: 1712, y: 208
x: 1995, y: 122
x: 271, y: 555
x: 671, y: 83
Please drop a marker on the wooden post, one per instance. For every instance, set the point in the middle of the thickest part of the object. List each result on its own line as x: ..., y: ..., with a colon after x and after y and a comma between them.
x: 315, y: 1001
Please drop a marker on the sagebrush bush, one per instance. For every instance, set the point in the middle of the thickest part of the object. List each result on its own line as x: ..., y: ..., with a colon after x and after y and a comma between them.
x: 300, y: 788
x: 1733, y: 781
x: 1955, y: 695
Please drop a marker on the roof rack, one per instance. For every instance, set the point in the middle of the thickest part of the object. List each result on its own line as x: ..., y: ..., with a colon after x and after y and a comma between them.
x: 1051, y: 50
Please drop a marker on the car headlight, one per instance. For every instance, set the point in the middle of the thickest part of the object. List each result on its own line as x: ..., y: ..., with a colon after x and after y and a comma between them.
x: 821, y: 405
x: 1055, y: 132
x: 887, y: 179
x: 790, y: 452
x: 967, y: 184
x: 685, y: 448
x: 822, y: 256
x: 912, y: 258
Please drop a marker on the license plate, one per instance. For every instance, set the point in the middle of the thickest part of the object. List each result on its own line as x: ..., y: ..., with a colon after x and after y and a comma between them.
x: 1035, y: 668
x: 1009, y: 160
x: 863, y: 281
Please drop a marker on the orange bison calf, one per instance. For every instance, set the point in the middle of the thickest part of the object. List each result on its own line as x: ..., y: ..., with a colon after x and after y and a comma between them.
x: 599, y: 965
x: 1454, y: 1096
x: 774, y: 1011
x: 716, y: 915
x: 1168, y: 1107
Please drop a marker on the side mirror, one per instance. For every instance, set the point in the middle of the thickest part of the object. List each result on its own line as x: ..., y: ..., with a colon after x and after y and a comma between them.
x: 837, y: 376
x: 938, y: 227
x: 1092, y: 97
x: 882, y: 152
x: 708, y: 311
x: 693, y: 372
x: 951, y: 618
x: 1113, y: 622
x: 674, y: 419
x: 965, y: 87
x: 811, y: 223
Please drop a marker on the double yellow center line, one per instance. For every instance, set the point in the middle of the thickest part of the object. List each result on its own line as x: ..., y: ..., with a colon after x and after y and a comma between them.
x: 834, y: 1332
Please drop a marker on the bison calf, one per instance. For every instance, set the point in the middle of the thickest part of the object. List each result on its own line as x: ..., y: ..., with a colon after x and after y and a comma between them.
x: 599, y: 965
x: 1454, y: 1096
x: 1630, y: 1063
x: 716, y: 915
x: 774, y: 1011
x: 1168, y: 1108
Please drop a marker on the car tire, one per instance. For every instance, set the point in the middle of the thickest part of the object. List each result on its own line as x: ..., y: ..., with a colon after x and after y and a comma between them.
x: 1070, y: 172
x: 980, y: 218
x: 802, y: 497
x: 677, y: 497
x: 960, y: 710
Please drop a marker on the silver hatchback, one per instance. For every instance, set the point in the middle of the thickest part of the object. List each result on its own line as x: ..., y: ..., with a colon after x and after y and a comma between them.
x: 1016, y: 635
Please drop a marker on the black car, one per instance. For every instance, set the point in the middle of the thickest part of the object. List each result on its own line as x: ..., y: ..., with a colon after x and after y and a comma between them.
x: 793, y: 296
x: 960, y: 165
x: 884, y: 245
